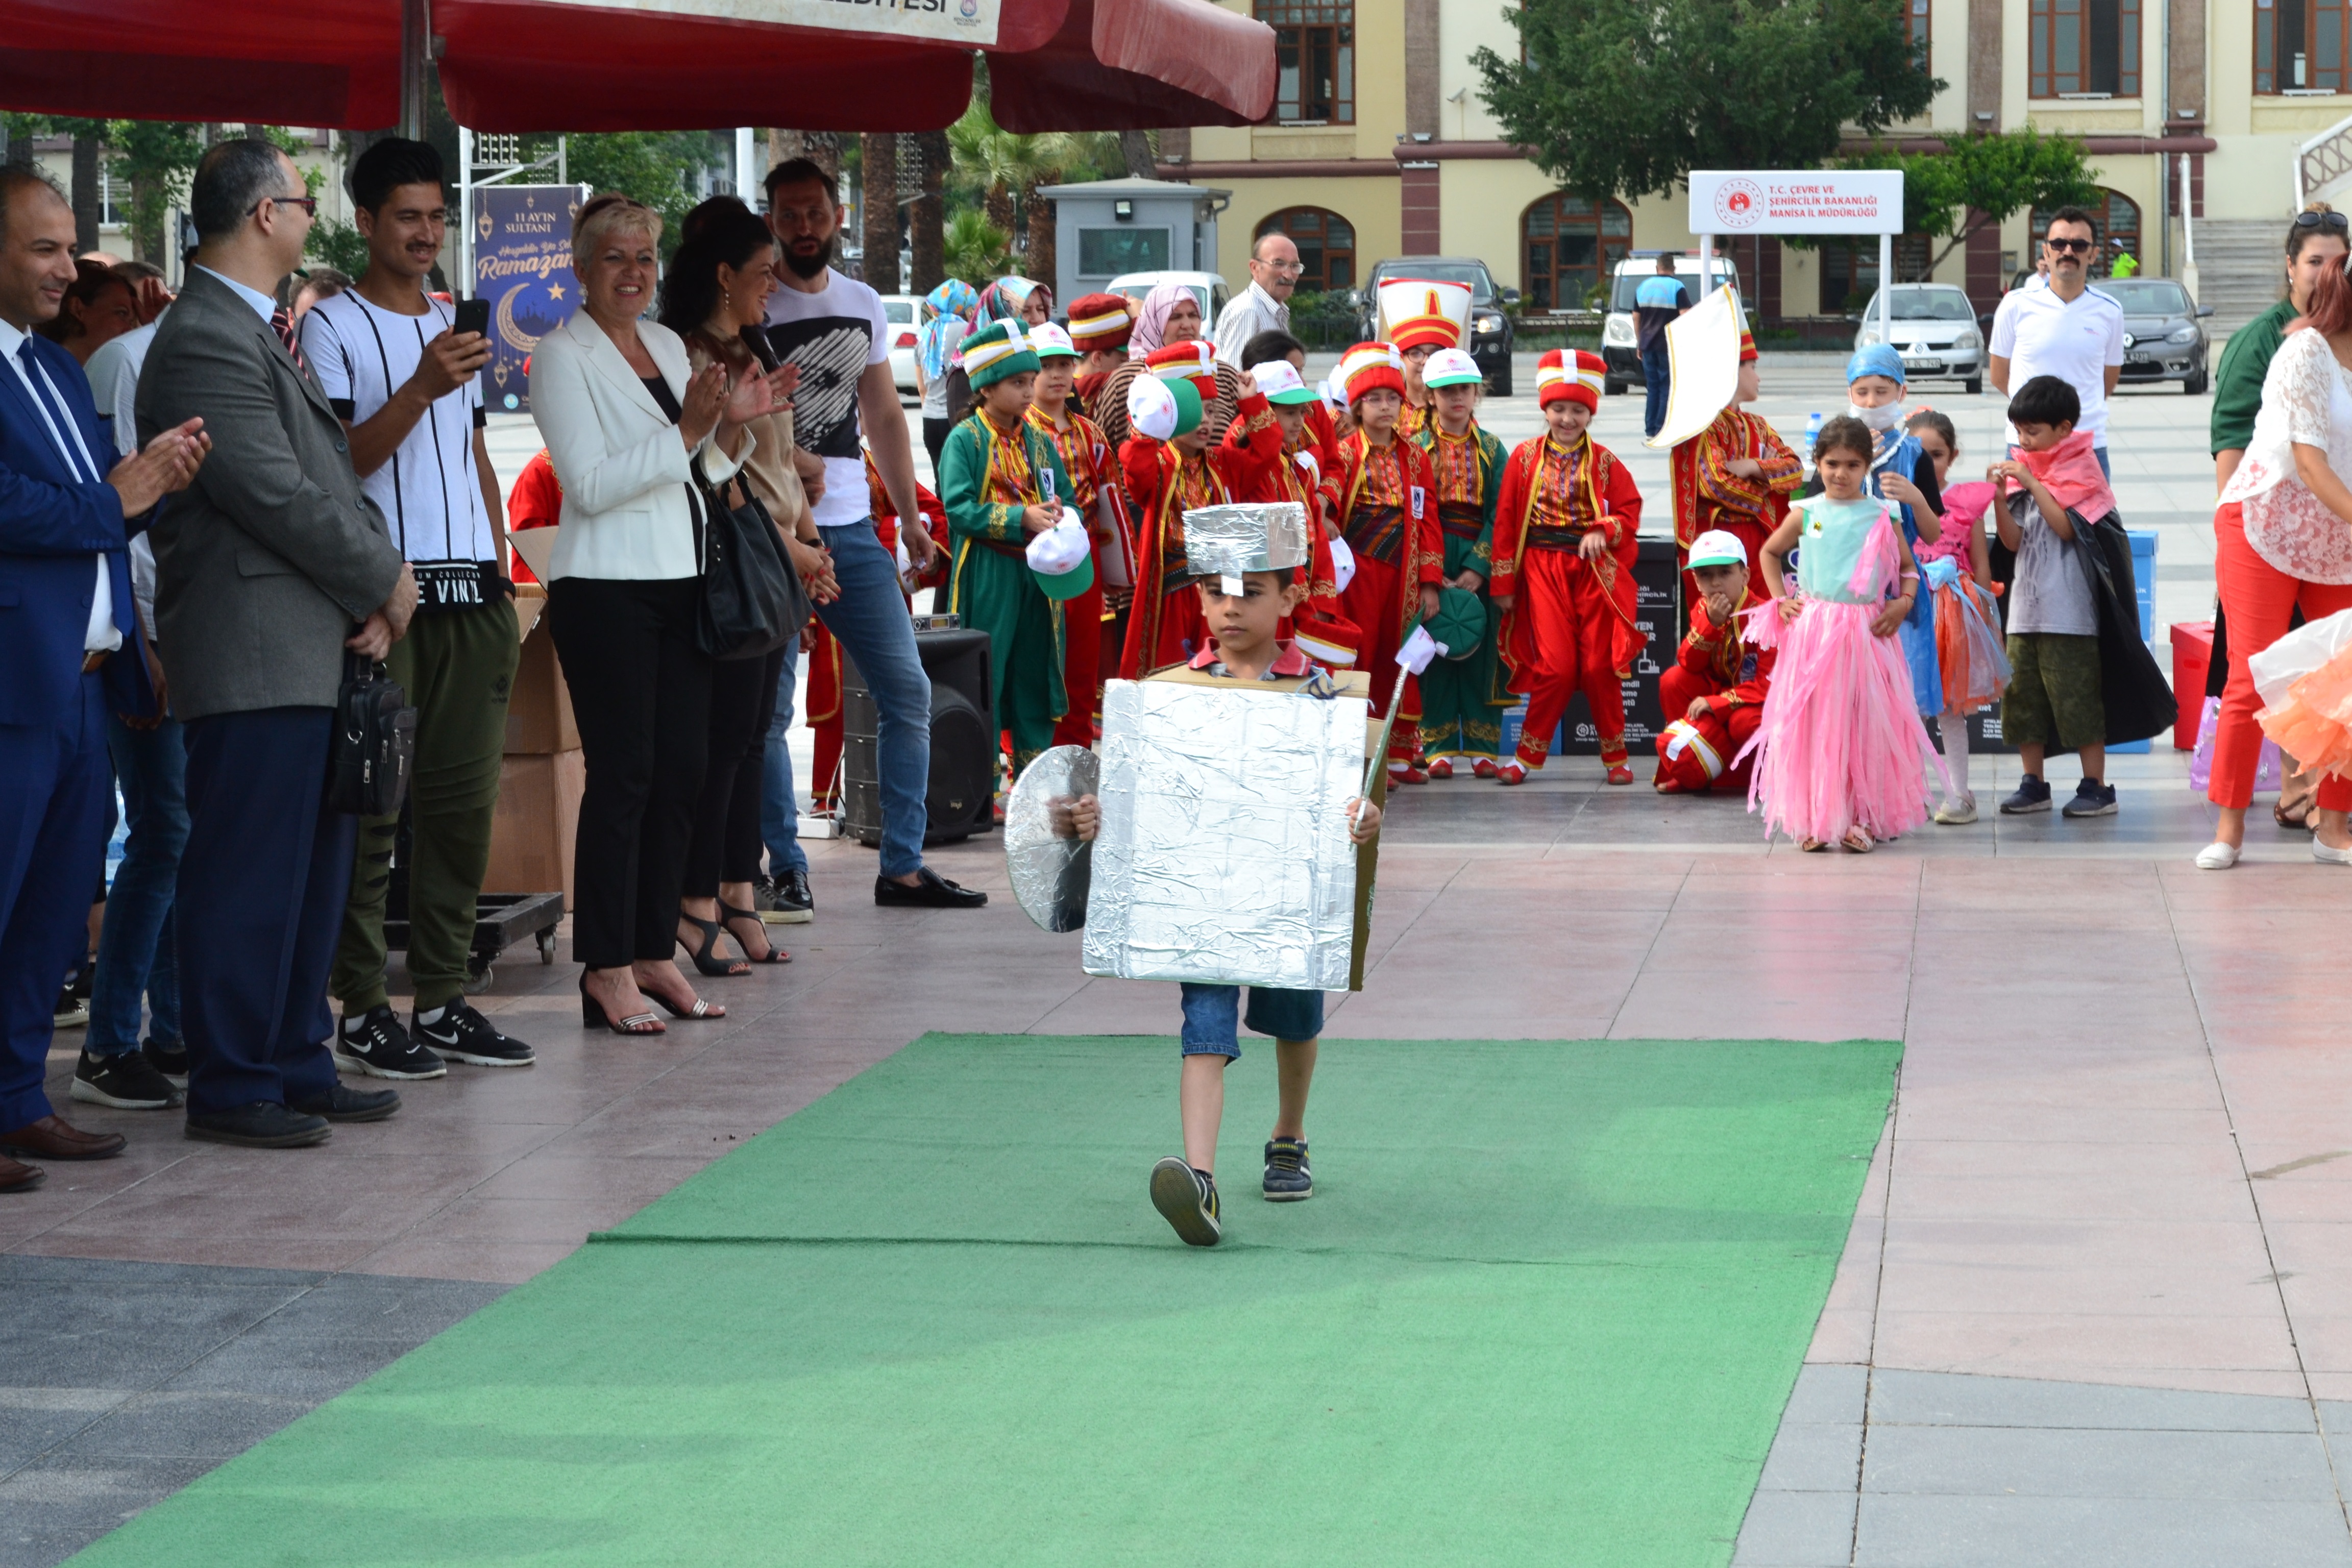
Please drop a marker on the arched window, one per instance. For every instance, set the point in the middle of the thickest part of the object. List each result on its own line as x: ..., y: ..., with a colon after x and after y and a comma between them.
x: 1327, y: 246
x: 2118, y: 220
x: 1570, y: 246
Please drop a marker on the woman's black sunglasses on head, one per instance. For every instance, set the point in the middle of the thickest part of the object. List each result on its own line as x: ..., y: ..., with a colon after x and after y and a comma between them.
x: 2335, y: 223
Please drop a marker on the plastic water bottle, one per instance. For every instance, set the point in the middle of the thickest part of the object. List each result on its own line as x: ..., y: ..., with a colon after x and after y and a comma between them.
x: 1812, y: 433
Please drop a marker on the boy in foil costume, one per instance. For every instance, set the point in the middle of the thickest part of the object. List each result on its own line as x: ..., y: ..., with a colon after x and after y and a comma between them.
x: 1249, y: 565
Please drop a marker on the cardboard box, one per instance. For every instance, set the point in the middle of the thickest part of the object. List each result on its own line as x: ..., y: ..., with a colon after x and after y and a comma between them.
x: 537, y: 819
x: 539, y: 711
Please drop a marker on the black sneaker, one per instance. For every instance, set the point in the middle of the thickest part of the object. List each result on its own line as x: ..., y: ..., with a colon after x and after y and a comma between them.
x: 73, y: 1010
x: 2091, y: 799
x: 1287, y: 1178
x: 126, y: 1081
x: 1187, y: 1200
x: 783, y: 900
x: 171, y: 1060
x: 374, y: 1045
x: 344, y: 1103
x: 2032, y: 795
x: 461, y: 1033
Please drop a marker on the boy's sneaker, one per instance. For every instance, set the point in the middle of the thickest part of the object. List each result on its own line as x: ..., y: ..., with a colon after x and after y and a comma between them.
x: 171, y: 1060
x: 1287, y: 1178
x: 126, y: 1081
x: 374, y: 1045
x: 2091, y: 799
x: 457, y: 1030
x: 73, y: 1011
x: 1957, y: 812
x: 1187, y: 1200
x: 2032, y: 795
x: 783, y: 900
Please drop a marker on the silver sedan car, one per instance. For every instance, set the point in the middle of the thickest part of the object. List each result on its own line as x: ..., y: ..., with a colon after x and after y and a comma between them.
x: 1936, y: 331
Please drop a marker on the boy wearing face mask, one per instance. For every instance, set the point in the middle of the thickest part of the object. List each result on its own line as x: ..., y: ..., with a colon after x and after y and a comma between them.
x: 1902, y: 476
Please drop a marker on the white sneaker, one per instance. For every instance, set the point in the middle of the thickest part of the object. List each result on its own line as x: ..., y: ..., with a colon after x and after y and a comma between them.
x: 2220, y: 857
x: 1958, y: 813
x: 2321, y: 852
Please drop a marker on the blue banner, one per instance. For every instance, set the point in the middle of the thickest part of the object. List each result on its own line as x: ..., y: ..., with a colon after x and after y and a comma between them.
x: 523, y: 265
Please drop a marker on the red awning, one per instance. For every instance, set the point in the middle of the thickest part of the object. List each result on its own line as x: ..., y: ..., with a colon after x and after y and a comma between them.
x: 538, y: 65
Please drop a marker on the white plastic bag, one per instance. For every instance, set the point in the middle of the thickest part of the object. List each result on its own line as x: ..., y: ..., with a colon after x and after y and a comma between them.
x: 2297, y: 654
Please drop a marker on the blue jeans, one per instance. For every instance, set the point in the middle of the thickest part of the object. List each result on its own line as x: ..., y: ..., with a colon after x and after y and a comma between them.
x: 1211, y: 1012
x: 1654, y: 372
x: 136, y: 952
x: 871, y: 620
x: 780, y: 810
x: 2101, y: 453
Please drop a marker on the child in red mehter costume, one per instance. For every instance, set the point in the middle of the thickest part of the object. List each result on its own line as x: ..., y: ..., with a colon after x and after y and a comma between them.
x: 1564, y: 554
x: 1713, y: 694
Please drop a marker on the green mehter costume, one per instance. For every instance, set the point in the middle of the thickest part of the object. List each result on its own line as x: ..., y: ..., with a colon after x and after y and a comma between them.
x: 988, y: 476
x: 1462, y: 699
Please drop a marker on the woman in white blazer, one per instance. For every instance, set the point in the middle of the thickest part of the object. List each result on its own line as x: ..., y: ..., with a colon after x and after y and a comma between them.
x: 624, y: 417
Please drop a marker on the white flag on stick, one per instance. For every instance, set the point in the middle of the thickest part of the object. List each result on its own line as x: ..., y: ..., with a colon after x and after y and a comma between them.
x: 1419, y: 650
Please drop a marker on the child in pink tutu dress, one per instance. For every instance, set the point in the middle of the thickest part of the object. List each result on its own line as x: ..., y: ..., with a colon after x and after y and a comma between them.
x: 1839, y: 753
x: 1973, y: 667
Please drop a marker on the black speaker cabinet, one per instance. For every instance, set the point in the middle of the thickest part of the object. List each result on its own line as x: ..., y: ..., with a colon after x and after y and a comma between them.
x: 962, y: 792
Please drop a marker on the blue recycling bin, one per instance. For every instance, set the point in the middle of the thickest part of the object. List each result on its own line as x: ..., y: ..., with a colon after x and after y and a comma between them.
x: 2143, y: 548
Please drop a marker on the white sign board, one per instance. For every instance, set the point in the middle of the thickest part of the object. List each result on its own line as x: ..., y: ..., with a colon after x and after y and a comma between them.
x: 1796, y: 201
x: 970, y: 23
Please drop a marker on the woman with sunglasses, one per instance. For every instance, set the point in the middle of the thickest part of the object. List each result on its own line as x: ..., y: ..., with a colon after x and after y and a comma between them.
x: 2315, y: 241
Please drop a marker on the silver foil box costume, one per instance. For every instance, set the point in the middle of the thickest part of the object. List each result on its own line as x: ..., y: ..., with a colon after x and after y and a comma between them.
x: 1223, y: 856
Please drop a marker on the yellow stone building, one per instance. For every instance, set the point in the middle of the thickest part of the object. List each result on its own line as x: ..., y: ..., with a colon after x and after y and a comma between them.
x: 1379, y: 146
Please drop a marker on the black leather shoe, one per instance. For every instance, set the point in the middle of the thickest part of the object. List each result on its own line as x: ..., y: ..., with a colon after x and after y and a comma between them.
x: 344, y: 1103
x: 931, y: 892
x: 263, y: 1124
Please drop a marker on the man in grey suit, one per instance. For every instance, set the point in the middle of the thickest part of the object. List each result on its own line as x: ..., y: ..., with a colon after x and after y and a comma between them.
x: 266, y: 570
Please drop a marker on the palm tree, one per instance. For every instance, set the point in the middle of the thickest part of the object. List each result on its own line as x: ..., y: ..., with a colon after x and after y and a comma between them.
x: 975, y: 249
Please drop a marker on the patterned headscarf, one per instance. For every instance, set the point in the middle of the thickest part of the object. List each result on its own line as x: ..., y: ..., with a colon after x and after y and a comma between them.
x: 953, y: 300
x: 1151, y: 321
x: 1001, y: 300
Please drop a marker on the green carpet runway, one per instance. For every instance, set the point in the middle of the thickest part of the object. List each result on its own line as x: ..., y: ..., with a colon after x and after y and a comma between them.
x: 1545, y: 1307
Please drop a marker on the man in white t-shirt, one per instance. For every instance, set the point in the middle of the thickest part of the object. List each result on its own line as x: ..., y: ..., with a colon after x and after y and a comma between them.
x: 832, y: 327
x: 1264, y: 305
x: 407, y: 385
x: 2068, y: 329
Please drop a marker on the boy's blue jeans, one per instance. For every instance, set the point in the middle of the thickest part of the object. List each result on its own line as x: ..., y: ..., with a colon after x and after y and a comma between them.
x: 136, y: 952
x: 779, y: 804
x: 1211, y: 1012
x: 877, y: 633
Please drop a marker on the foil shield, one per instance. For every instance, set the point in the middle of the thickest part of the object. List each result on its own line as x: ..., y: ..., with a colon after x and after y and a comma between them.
x: 1223, y: 856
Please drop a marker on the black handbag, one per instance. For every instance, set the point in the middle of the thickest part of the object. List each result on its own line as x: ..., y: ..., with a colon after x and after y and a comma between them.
x: 375, y: 742
x: 752, y: 600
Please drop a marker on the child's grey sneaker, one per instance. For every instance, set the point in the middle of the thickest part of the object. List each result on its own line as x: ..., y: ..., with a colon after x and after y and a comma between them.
x: 1287, y: 1178
x: 2091, y: 800
x: 1187, y: 1200
x: 2032, y: 795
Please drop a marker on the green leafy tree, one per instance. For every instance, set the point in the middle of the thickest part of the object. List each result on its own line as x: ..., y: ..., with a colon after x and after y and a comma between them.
x: 1624, y: 98
x: 154, y: 158
x: 974, y: 248
x: 655, y: 167
x: 1980, y: 182
x: 1000, y: 173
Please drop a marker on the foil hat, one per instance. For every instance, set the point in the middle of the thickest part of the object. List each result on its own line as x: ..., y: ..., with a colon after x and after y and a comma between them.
x: 1224, y: 541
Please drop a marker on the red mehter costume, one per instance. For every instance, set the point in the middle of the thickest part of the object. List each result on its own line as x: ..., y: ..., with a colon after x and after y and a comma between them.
x: 1322, y: 627
x: 1387, y: 516
x: 1163, y: 482
x: 1734, y: 678
x: 1708, y: 495
x: 1093, y: 491
x: 1572, y: 627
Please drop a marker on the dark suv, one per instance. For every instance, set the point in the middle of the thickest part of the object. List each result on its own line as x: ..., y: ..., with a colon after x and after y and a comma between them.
x: 1490, y: 326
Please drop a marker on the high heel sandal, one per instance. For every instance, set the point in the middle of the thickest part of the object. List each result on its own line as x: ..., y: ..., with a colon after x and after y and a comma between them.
x: 706, y: 959
x: 700, y: 1009
x: 774, y: 954
x: 593, y: 1015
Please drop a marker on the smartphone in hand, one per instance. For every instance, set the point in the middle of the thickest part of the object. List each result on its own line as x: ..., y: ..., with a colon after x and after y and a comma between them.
x: 473, y: 316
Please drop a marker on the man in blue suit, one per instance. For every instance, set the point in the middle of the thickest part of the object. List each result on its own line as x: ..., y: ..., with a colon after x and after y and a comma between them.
x: 70, y: 646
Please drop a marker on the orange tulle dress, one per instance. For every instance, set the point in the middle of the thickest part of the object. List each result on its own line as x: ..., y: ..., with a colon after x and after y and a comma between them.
x: 2305, y: 680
